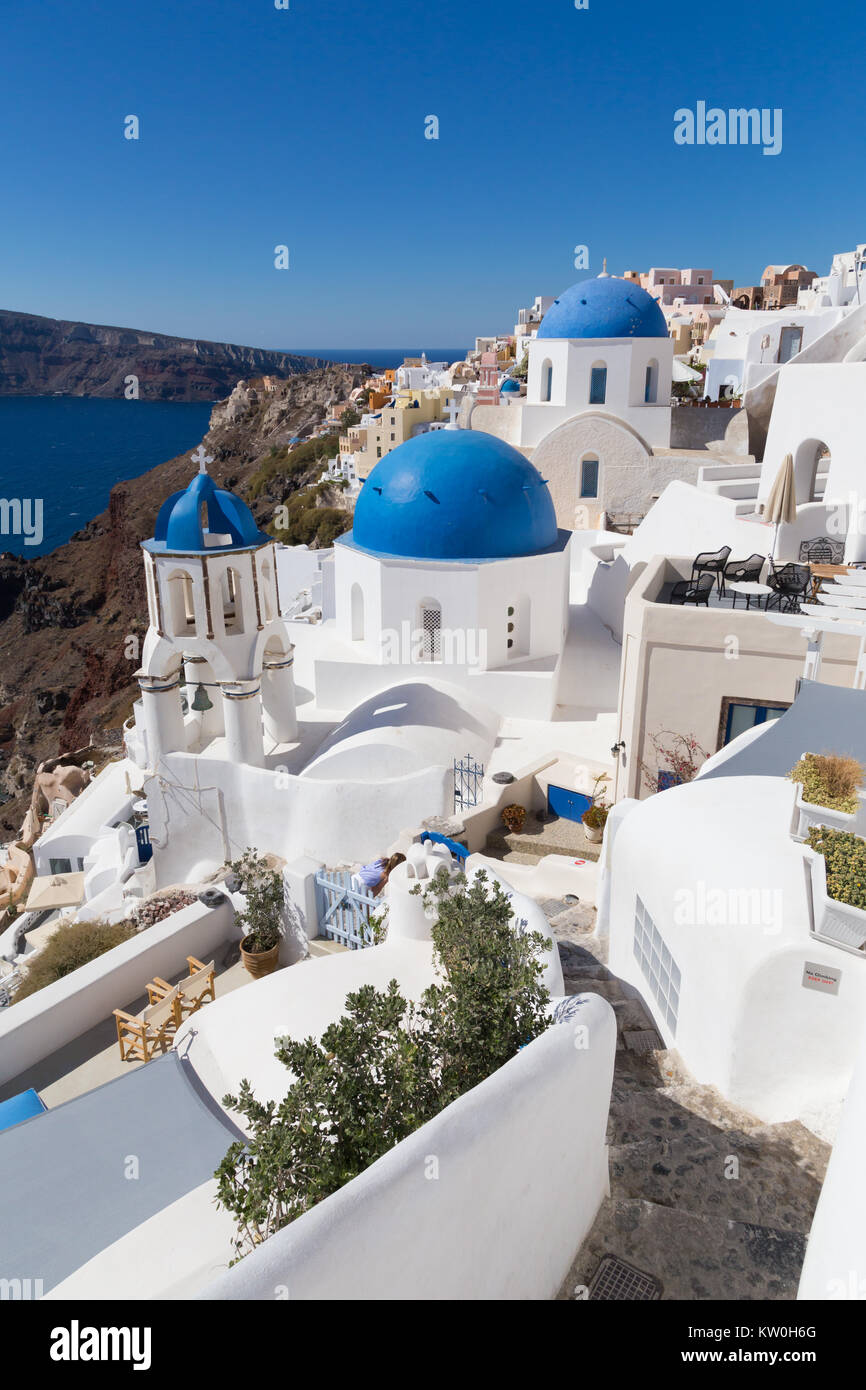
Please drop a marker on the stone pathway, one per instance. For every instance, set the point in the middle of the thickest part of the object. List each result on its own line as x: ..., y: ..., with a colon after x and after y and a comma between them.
x: 704, y: 1197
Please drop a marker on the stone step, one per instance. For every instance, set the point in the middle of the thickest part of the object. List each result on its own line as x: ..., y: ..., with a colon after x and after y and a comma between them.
x: 694, y: 1257
x: 323, y: 946
x: 510, y: 856
x: 533, y: 841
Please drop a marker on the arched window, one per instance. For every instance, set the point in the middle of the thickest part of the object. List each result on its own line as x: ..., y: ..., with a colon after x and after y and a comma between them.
x: 181, y: 603
x: 589, y: 476
x: 546, y: 379
x: 598, y: 384
x: 651, y: 384
x: 357, y: 602
x: 233, y: 607
x: 430, y: 629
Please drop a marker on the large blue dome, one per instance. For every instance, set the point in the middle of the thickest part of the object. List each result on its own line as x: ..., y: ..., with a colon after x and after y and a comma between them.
x: 454, y: 495
x: 204, y: 510
x: 606, y: 307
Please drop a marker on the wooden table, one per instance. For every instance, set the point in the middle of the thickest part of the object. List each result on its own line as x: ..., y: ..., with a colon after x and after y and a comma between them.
x: 820, y: 572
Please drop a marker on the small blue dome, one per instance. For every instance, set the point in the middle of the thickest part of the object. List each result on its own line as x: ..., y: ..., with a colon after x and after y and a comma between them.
x: 606, y: 307
x: 510, y: 384
x: 199, y: 510
x: 454, y: 495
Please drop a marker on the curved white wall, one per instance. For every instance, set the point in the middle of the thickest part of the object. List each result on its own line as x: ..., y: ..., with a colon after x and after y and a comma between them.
x: 835, y: 1264
x: 490, y: 1200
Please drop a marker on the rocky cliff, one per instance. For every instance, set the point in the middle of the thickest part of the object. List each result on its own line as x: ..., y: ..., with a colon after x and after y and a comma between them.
x: 44, y: 357
x: 71, y: 623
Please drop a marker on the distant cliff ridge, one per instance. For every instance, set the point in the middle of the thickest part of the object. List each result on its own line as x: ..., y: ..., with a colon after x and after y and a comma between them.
x: 46, y: 357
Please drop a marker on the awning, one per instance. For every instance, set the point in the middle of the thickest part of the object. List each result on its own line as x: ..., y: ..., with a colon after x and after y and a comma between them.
x: 21, y: 1107
x: 66, y: 1195
x: 55, y: 890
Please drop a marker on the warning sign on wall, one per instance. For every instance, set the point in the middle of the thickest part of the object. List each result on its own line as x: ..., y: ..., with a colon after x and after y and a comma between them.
x: 823, y: 977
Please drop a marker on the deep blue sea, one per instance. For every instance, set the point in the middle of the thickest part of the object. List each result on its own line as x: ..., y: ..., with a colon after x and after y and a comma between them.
x: 69, y: 451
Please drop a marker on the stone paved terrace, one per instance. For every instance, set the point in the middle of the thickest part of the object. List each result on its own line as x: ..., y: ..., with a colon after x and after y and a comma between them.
x: 674, y: 1212
x: 553, y: 835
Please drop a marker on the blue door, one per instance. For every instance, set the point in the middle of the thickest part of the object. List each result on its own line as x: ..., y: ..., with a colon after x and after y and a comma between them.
x: 562, y: 801
x: 145, y: 848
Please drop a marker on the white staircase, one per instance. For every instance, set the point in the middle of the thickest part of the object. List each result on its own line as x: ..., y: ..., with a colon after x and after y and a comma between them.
x: 739, y: 482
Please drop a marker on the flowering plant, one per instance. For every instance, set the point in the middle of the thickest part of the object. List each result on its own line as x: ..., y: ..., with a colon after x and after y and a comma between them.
x: 678, y: 758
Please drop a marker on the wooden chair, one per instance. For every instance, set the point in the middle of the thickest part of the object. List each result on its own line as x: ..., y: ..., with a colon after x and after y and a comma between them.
x: 139, y: 1036
x: 197, y: 989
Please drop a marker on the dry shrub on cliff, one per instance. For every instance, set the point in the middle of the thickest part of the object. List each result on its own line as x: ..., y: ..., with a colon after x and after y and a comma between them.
x: 71, y: 946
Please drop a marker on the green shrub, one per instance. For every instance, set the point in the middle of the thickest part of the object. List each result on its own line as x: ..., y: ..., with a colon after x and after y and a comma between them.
x: 71, y: 946
x: 292, y: 463
x: 844, y: 862
x: 387, y: 1066
x: 309, y: 524
x: 829, y: 779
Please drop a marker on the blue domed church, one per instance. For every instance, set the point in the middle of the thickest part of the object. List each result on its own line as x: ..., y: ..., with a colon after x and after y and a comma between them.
x: 455, y: 565
x: 602, y: 345
x: 597, y: 403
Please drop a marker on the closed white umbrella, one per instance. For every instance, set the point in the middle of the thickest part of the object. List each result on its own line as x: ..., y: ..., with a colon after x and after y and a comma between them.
x: 781, y: 503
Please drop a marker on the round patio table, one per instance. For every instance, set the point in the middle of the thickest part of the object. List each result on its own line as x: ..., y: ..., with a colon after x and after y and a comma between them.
x: 750, y: 589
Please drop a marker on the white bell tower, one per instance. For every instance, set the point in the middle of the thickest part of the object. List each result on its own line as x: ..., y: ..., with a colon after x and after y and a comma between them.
x: 213, y: 604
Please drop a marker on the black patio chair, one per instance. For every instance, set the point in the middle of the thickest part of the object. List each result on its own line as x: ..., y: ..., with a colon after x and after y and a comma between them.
x: 791, y: 584
x: 743, y: 572
x: 711, y: 562
x: 687, y: 591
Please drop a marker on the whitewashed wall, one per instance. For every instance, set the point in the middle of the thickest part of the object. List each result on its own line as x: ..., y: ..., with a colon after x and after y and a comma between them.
x: 204, y: 811
x: 835, y: 1264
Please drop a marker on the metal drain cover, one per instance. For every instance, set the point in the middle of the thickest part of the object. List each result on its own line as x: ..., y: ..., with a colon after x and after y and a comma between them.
x: 646, y: 1040
x: 618, y: 1282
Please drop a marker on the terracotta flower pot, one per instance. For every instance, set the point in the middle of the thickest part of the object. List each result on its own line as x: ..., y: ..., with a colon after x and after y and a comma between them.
x: 259, y: 963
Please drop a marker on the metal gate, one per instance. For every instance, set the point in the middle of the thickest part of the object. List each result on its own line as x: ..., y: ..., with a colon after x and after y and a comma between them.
x: 468, y: 777
x: 344, y: 911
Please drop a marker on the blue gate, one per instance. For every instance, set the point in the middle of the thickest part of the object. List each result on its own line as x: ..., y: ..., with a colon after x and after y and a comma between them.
x: 344, y: 911
x: 468, y: 778
x: 145, y: 848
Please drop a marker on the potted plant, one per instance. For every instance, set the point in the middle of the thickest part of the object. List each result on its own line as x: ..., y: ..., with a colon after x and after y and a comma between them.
x: 262, y: 918
x: 514, y: 816
x: 827, y: 791
x: 837, y: 861
x: 595, y: 816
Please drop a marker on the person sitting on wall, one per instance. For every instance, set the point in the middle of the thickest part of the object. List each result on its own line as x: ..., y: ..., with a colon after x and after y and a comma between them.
x: 373, y: 878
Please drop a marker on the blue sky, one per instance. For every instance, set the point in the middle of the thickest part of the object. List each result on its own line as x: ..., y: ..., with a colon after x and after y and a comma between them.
x: 306, y: 127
